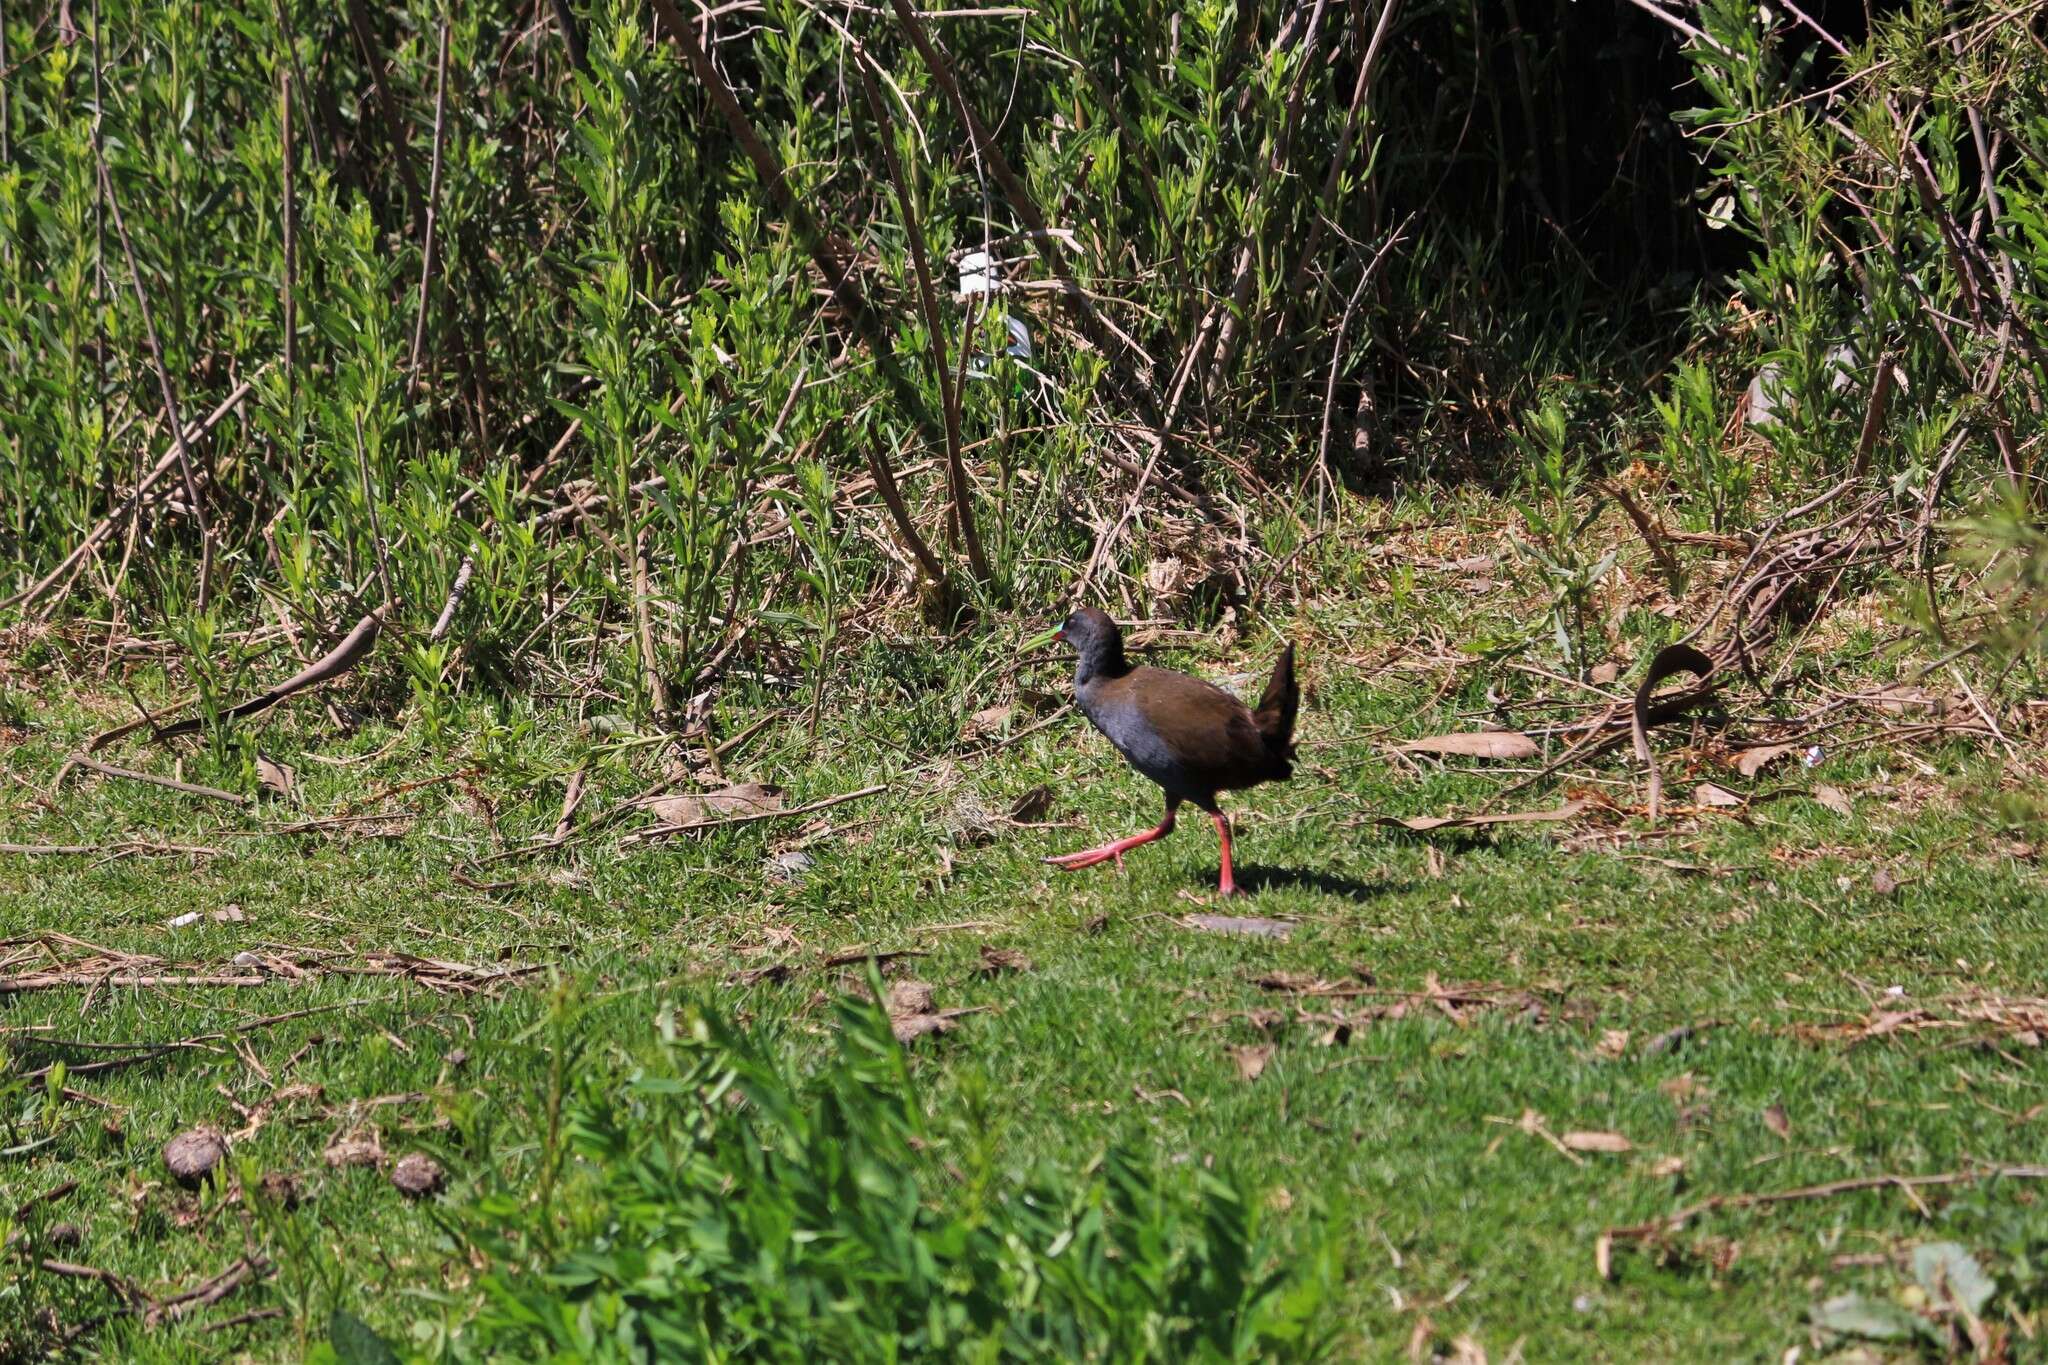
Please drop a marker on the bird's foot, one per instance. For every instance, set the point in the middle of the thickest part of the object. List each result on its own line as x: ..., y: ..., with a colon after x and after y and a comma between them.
x: 1089, y: 857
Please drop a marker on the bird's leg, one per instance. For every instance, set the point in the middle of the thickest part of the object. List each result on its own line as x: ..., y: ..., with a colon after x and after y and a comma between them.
x: 1227, y: 886
x: 1089, y: 857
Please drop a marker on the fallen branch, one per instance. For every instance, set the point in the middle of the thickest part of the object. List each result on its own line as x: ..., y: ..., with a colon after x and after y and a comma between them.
x: 49, y: 981
x: 189, y: 788
x: 208, y: 1292
x: 328, y: 667
x: 126, y: 848
x: 662, y: 831
x: 892, y: 498
x: 1669, y: 660
x: 149, y: 1052
x: 1658, y: 1228
x: 154, y: 1311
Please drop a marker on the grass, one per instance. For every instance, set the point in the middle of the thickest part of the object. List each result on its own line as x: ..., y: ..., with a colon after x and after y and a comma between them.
x: 1457, y: 1218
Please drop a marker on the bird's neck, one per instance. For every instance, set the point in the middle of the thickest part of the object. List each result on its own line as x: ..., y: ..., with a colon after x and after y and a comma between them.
x: 1105, y: 660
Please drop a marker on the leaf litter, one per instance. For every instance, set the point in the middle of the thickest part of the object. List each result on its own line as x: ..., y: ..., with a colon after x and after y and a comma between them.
x: 913, y: 1010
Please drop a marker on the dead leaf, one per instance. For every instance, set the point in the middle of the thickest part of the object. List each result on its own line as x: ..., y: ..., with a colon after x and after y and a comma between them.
x: 910, y: 1027
x: 356, y: 1149
x: 227, y: 914
x: 746, y: 798
x: 1422, y: 824
x: 1883, y: 883
x: 1432, y: 860
x: 909, y: 996
x: 1750, y: 762
x: 1613, y: 1044
x: 1667, y: 1040
x: 992, y: 720
x: 1032, y: 805
x: 276, y: 777
x: 1465, y: 1350
x: 1251, y: 1059
x: 1476, y: 744
x: 1775, y: 1120
x: 1603, y: 674
x: 1833, y: 798
x: 1665, y: 1167
x: 1709, y: 795
x: 1156, y: 1096
x: 995, y: 961
x: 1469, y: 564
x: 1597, y: 1142
x: 1250, y: 925
x: 909, y: 1004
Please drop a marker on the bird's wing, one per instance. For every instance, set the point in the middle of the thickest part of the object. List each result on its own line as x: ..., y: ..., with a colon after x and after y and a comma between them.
x: 1209, y: 731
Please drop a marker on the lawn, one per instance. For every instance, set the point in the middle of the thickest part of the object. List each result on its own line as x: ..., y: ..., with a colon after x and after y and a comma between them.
x: 1469, y: 1053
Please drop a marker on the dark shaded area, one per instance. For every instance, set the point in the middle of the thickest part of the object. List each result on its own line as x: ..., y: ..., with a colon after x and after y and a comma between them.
x: 1254, y: 877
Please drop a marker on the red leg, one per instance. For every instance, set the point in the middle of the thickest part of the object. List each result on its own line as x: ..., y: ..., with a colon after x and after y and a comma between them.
x: 1089, y: 857
x: 1228, y: 885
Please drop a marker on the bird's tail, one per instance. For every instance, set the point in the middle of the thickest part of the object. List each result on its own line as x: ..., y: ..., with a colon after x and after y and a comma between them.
x: 1275, y: 713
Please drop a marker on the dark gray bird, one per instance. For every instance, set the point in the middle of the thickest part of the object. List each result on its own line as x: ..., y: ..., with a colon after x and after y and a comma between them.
x: 1191, y: 737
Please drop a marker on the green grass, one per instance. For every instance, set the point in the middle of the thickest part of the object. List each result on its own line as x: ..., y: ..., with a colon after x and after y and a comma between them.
x: 1404, y: 1134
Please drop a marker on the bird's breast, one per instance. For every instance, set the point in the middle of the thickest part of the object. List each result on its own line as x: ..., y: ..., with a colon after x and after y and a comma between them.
x: 1122, y: 722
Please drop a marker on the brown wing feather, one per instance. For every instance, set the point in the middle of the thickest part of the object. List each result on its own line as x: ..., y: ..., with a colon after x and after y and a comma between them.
x: 1211, y: 732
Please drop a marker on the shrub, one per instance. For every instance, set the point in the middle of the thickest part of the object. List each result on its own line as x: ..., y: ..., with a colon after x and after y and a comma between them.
x: 720, y: 1205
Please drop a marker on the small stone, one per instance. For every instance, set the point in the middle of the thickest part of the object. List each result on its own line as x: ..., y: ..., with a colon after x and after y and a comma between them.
x: 417, y: 1175
x: 457, y: 1056
x: 194, y: 1154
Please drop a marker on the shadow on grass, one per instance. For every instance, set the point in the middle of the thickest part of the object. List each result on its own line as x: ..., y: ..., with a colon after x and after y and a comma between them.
x: 1253, y: 878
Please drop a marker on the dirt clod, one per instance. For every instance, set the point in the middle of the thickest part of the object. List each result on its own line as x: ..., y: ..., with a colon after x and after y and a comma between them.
x: 194, y: 1154
x: 418, y: 1175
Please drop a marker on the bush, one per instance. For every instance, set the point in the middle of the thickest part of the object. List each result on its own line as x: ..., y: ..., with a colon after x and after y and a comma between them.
x: 719, y: 1205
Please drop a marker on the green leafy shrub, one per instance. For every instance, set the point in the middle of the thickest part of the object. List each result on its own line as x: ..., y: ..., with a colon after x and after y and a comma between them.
x: 719, y: 1206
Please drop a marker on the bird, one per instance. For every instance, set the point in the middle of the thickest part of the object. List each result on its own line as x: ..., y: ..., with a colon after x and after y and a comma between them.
x: 1191, y: 737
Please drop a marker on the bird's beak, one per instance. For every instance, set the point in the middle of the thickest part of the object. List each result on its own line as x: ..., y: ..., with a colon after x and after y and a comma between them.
x: 1054, y: 636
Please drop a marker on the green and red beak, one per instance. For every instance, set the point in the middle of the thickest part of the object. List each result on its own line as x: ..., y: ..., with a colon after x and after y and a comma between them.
x: 1057, y: 635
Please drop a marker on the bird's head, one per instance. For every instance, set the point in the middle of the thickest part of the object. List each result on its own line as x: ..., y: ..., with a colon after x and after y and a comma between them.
x: 1088, y: 630
x: 1096, y: 639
